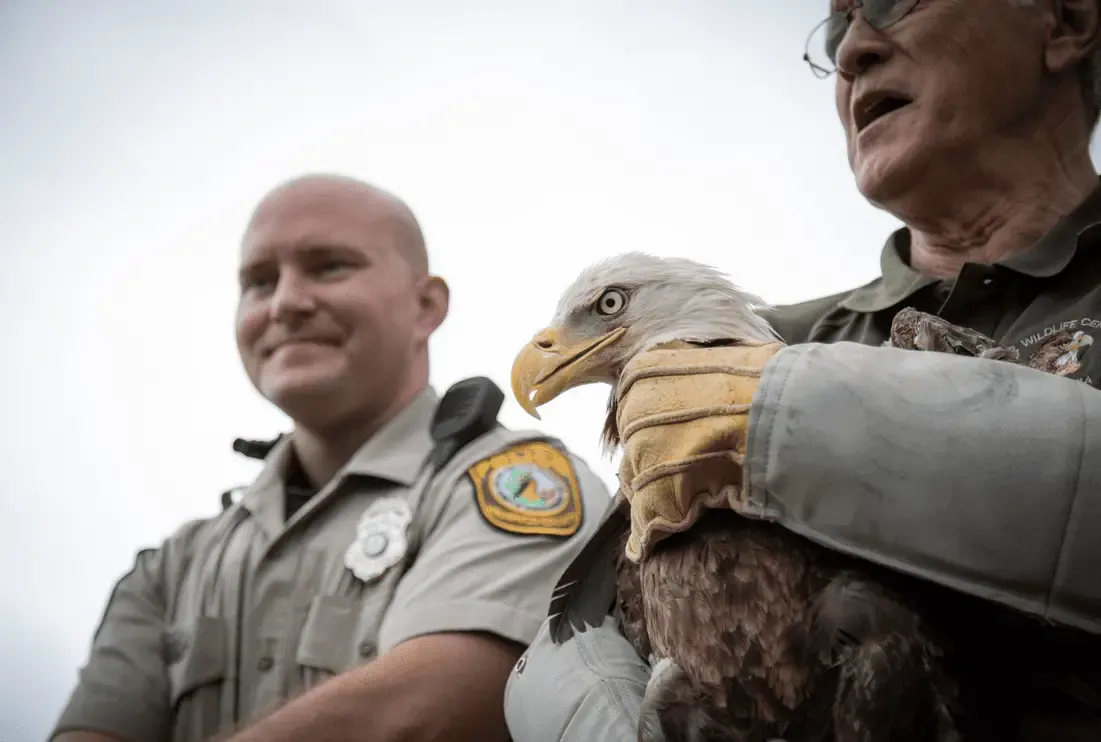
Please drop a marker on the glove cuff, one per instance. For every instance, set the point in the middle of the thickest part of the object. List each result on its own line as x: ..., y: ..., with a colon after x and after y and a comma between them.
x: 681, y: 456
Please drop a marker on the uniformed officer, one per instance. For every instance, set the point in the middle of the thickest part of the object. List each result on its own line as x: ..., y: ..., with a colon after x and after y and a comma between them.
x: 970, y: 121
x: 389, y: 564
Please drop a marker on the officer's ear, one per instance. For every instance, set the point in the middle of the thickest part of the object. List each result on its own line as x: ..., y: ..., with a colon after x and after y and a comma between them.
x: 1073, y: 27
x: 434, y: 299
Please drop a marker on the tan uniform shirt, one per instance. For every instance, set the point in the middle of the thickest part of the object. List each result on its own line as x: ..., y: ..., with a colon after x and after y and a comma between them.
x: 234, y: 614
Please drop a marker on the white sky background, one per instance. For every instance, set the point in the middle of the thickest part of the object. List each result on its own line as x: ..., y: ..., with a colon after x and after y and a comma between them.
x: 530, y: 137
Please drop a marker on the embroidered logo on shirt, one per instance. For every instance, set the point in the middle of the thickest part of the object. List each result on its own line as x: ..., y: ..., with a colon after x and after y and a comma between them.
x: 1061, y: 354
x: 529, y: 489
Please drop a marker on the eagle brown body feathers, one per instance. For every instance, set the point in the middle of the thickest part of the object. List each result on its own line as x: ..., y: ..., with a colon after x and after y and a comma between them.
x: 755, y: 618
x: 772, y: 636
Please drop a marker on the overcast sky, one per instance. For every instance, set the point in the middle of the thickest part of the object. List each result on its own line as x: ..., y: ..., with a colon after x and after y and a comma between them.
x: 529, y: 136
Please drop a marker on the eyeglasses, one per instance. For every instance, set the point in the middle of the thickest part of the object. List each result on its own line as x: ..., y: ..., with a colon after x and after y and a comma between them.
x: 825, y: 38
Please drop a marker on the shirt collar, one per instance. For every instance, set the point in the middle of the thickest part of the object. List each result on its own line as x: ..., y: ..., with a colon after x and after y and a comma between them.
x: 395, y: 453
x: 897, y: 281
x: 1048, y: 257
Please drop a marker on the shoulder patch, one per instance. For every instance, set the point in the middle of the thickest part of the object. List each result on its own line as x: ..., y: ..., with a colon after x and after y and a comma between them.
x: 529, y: 489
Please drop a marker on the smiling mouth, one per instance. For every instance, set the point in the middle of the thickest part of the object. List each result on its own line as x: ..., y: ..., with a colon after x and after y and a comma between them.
x: 874, y: 107
x: 299, y: 342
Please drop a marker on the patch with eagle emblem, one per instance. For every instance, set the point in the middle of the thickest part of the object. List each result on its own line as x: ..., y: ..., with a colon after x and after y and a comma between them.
x: 530, y: 489
x: 1061, y: 354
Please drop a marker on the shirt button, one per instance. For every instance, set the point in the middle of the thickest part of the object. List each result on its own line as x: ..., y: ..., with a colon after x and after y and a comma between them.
x: 264, y: 664
x: 366, y: 649
x: 521, y: 665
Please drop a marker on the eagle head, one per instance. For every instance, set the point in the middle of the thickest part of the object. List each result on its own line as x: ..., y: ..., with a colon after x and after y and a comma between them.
x: 621, y: 306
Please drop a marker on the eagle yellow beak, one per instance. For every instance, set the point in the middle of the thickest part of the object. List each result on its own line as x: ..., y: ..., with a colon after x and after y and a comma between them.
x: 547, y: 366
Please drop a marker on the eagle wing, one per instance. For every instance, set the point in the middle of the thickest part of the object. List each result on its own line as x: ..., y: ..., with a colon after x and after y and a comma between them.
x: 587, y: 591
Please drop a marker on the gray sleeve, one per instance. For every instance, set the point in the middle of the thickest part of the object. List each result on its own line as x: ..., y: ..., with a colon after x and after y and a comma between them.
x: 981, y: 475
x: 585, y: 689
x: 122, y: 690
x: 472, y: 576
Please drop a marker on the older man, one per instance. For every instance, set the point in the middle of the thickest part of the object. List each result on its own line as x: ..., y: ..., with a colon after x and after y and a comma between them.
x: 970, y: 121
x: 395, y: 555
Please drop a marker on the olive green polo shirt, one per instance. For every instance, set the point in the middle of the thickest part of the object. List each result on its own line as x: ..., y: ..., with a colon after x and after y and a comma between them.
x: 1045, y: 301
x: 232, y: 615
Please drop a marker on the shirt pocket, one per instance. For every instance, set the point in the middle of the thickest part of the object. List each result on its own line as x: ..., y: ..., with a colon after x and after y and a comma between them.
x: 340, y: 633
x: 196, y: 651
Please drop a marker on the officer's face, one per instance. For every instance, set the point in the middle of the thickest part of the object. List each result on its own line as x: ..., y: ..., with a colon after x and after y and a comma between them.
x: 957, y: 75
x: 332, y: 317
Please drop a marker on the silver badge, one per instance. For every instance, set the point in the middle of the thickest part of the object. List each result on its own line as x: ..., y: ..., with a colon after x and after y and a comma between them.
x: 381, y: 540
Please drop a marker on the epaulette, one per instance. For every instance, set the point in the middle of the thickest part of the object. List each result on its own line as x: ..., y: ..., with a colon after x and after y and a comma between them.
x: 228, y: 497
x: 254, y: 450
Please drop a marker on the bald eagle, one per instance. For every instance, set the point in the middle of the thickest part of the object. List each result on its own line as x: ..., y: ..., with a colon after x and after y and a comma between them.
x: 753, y: 632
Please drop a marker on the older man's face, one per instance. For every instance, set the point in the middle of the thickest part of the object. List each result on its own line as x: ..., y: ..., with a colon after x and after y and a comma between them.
x: 923, y: 94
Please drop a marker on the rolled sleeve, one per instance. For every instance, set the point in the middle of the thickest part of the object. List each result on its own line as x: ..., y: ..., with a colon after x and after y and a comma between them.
x: 472, y: 576
x: 981, y: 475
x: 587, y: 688
x: 123, y: 689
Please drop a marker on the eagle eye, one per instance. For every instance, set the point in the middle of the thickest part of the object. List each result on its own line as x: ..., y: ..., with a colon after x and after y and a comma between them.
x: 611, y: 302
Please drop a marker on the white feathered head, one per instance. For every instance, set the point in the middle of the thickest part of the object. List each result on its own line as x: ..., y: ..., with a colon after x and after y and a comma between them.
x: 623, y: 305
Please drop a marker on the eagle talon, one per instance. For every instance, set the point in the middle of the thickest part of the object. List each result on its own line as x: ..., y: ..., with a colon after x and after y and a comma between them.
x: 665, y: 675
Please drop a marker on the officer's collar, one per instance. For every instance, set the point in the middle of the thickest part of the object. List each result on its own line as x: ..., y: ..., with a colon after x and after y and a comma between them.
x: 395, y: 453
x: 1048, y: 257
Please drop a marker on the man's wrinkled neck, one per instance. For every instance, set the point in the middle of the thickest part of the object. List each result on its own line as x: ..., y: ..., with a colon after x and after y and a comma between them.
x: 1003, y: 202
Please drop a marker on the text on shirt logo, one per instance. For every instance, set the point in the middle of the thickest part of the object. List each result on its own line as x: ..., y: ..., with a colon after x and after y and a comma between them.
x: 1060, y: 348
x: 1068, y: 325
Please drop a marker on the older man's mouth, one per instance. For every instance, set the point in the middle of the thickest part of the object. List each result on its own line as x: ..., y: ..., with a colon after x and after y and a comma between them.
x: 869, y: 108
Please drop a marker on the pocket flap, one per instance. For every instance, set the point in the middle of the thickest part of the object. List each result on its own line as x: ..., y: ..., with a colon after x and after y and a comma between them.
x: 329, y: 633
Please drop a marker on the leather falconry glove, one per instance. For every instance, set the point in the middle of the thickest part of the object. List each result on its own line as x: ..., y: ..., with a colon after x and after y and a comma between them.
x: 683, y: 417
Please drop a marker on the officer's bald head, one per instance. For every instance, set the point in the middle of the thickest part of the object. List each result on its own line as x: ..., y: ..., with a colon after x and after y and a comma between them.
x: 336, y: 305
x: 313, y: 203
